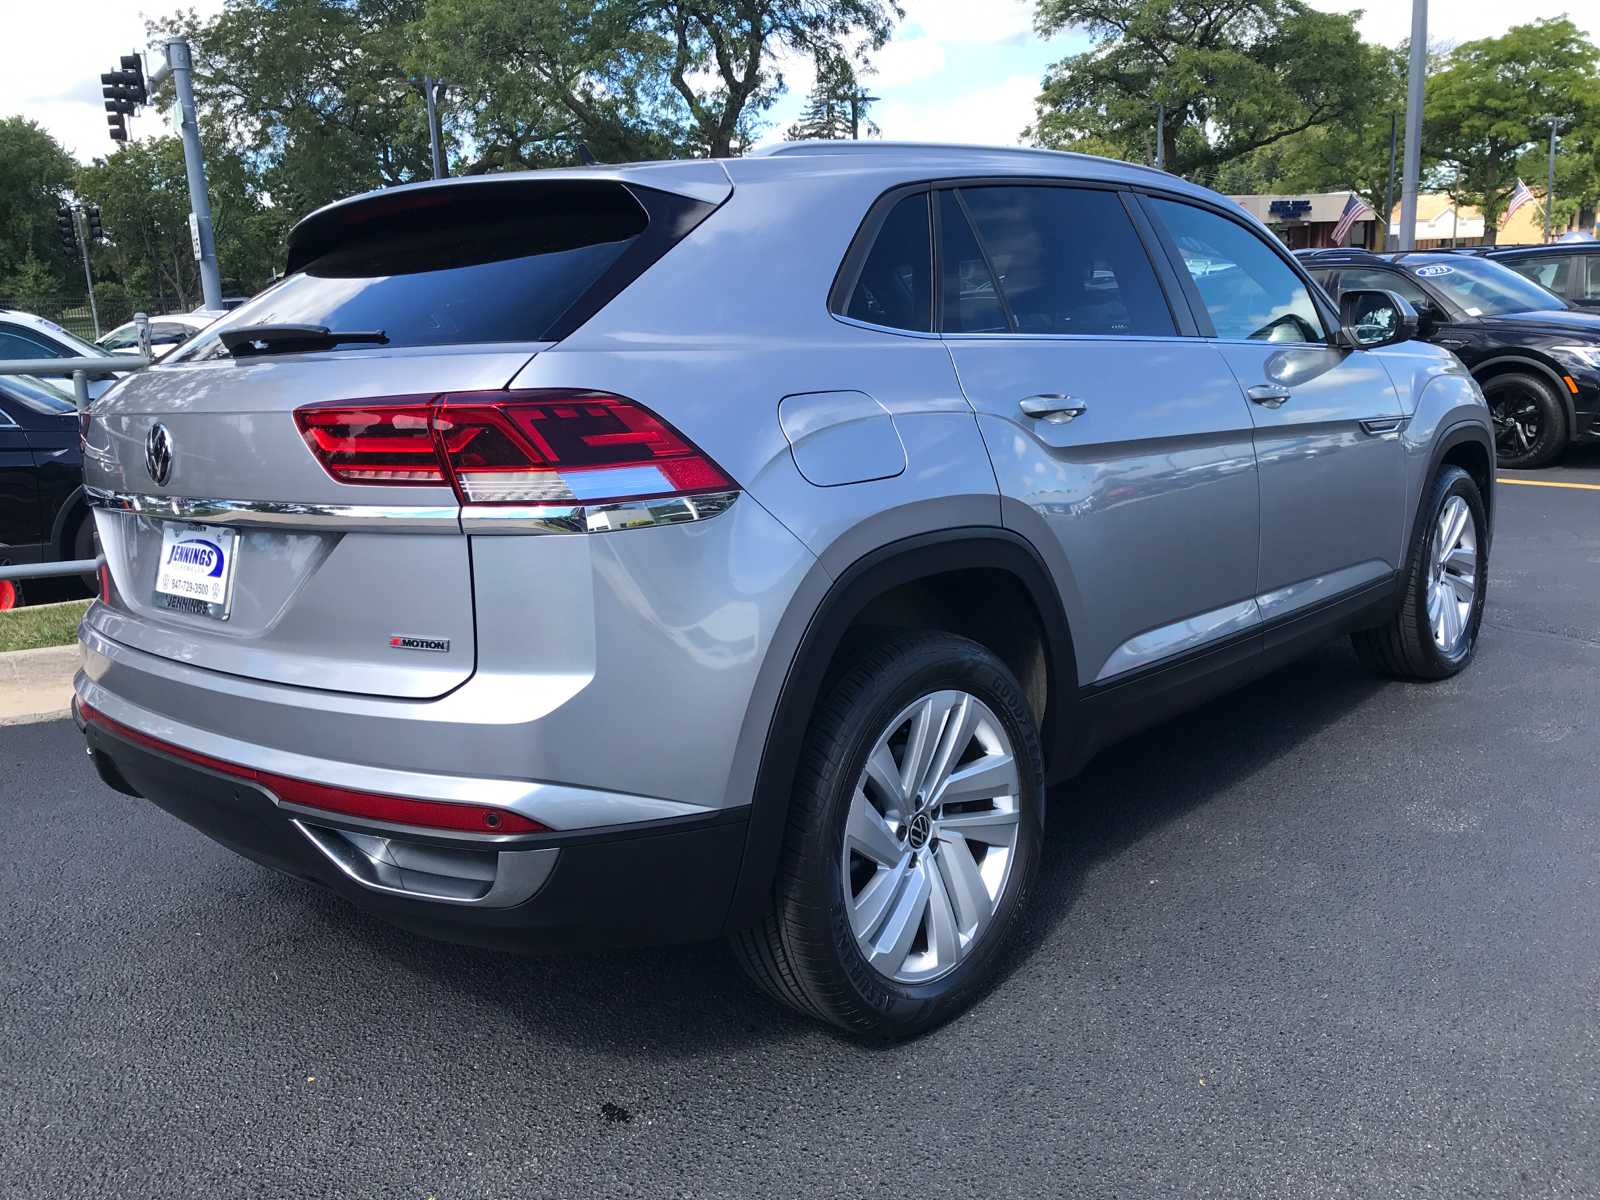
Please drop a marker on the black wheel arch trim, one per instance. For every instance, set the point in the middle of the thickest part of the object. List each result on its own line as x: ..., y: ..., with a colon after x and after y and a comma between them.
x: 64, y: 522
x: 1452, y: 436
x: 889, y: 566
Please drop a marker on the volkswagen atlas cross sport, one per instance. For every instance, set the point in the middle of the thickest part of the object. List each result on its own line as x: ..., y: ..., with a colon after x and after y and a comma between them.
x: 740, y: 548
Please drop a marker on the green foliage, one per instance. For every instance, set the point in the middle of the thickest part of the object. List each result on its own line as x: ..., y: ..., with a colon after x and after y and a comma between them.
x: 1236, y: 76
x: 1484, y: 113
x: 34, y: 175
x: 836, y: 108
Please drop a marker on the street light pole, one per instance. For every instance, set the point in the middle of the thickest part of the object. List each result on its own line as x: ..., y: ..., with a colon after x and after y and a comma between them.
x: 179, y: 65
x: 1388, y: 198
x: 1550, y: 187
x: 856, y: 101
x: 1412, y: 175
x: 433, y: 128
x: 82, y: 222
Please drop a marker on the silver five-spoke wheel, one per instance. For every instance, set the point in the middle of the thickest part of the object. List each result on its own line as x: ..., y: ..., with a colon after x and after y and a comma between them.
x: 931, y: 836
x: 1452, y: 574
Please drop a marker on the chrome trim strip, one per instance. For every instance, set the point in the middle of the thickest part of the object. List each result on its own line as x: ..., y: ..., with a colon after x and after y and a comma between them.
x: 1156, y: 644
x: 274, y: 514
x: 560, y: 806
x: 1282, y: 601
x: 593, y: 518
x: 368, y: 860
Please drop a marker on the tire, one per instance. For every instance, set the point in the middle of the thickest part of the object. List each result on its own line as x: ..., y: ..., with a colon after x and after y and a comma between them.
x: 1435, y: 631
x: 1530, y: 422
x: 86, y: 544
x: 884, y: 919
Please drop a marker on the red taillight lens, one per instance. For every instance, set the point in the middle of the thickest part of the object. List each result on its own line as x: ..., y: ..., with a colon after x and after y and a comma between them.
x: 399, y: 810
x: 527, y: 447
x: 105, y: 584
x: 389, y: 442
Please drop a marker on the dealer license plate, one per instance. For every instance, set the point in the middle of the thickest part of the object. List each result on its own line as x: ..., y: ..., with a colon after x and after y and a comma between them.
x: 195, y: 574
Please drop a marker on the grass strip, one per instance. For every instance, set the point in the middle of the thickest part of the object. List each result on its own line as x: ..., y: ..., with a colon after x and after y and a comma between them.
x: 41, y: 625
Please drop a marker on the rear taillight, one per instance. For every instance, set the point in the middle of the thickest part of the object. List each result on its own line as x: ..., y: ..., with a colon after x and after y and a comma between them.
x: 529, y: 447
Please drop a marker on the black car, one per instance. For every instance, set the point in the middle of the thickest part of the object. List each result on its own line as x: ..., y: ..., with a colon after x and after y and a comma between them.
x: 1536, y: 358
x: 43, y: 517
x: 1569, y: 269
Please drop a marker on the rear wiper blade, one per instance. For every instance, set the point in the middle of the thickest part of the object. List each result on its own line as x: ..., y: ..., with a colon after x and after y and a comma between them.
x: 242, y: 341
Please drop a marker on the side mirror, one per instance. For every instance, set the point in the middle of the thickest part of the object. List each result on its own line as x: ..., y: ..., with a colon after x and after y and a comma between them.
x: 1369, y: 319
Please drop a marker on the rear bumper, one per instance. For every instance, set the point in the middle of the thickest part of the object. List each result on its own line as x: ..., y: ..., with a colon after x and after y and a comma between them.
x: 650, y: 883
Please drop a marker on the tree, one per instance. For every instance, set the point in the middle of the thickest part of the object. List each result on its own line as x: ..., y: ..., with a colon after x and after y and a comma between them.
x: 35, y: 173
x: 1486, y: 109
x: 836, y: 108
x: 1235, y: 75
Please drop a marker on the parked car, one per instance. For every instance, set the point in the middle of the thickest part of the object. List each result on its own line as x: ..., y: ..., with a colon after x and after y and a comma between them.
x: 1536, y: 358
x: 657, y: 552
x: 1569, y: 269
x: 167, y: 333
x: 43, y: 515
x: 23, y: 335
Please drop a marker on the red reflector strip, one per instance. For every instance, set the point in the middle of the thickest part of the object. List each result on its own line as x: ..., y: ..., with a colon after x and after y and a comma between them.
x: 400, y: 810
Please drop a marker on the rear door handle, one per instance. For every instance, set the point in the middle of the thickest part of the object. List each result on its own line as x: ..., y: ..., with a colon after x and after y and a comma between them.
x: 1269, y: 394
x: 1055, y: 408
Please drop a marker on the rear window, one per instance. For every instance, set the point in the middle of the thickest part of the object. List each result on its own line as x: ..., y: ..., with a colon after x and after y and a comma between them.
x: 507, y: 261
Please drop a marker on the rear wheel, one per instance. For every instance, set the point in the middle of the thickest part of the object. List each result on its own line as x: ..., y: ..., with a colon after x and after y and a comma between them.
x: 1530, y: 422
x: 86, y: 544
x: 1436, y: 630
x: 913, y: 836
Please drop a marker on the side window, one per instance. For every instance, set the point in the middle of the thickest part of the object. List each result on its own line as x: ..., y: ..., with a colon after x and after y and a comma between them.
x: 895, y: 287
x: 1363, y: 279
x: 14, y: 343
x: 971, y: 299
x: 166, y: 334
x: 1247, y: 289
x: 1591, y: 283
x: 1550, y: 273
x: 1069, y: 261
x: 120, y: 341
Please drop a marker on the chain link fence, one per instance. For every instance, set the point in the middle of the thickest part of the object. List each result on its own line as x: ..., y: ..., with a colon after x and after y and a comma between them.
x: 72, y: 312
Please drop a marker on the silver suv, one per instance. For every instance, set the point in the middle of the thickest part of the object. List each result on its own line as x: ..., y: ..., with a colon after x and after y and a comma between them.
x: 740, y: 548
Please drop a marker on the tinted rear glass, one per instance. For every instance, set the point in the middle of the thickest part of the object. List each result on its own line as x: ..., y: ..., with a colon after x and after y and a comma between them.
x: 1069, y: 261
x: 895, y: 287
x: 499, y: 266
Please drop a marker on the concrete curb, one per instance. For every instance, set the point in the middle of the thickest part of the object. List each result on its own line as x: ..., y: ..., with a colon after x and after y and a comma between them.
x: 36, y: 685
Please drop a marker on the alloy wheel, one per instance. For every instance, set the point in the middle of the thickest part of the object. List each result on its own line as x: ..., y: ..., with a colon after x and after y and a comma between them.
x: 931, y: 836
x: 1452, y: 574
x: 1517, y: 423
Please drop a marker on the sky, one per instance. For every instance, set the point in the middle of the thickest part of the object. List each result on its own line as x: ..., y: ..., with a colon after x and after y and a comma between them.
x: 955, y: 71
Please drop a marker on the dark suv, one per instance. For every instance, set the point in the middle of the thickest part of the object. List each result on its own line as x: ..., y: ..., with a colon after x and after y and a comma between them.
x: 1536, y: 357
x: 1569, y: 269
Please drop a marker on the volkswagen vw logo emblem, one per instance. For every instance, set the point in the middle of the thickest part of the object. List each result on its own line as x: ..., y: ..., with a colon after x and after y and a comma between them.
x: 158, y: 454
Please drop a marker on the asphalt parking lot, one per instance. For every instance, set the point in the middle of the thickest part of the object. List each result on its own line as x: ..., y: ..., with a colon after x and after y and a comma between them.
x: 1326, y: 937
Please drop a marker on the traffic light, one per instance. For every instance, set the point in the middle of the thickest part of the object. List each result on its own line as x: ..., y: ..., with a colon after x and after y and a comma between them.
x: 91, y: 217
x: 124, y: 91
x: 69, y: 232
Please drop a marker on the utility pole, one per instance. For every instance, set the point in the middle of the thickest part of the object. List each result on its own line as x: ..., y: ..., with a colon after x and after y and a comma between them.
x: 433, y: 127
x: 856, y: 101
x: 179, y: 65
x: 1388, y: 198
x: 1550, y: 187
x: 1412, y: 175
x: 1161, y: 134
x: 90, y: 234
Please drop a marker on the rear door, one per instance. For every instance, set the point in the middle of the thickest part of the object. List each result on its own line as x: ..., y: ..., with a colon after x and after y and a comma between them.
x: 1130, y: 441
x: 19, y: 490
x: 1327, y: 420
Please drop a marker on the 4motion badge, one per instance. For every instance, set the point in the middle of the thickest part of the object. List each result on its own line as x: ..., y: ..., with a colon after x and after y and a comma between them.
x: 401, y: 641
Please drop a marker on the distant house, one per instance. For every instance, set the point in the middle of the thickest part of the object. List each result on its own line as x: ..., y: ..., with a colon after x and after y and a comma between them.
x: 1307, y: 222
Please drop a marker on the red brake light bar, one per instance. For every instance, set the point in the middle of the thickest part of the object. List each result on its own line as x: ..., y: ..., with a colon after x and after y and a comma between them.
x: 543, y: 446
x: 399, y: 810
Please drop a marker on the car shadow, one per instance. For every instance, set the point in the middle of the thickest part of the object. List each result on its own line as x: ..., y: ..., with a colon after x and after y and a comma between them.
x: 688, y: 999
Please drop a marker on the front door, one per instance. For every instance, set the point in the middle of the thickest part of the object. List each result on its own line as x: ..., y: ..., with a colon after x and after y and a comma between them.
x: 1127, y: 444
x: 19, y: 492
x: 1328, y: 421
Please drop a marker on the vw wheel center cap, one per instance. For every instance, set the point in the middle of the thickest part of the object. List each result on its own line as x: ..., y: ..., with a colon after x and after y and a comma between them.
x: 920, y: 828
x: 158, y: 454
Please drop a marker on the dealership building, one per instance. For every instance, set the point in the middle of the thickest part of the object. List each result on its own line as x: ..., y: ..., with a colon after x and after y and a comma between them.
x: 1307, y: 222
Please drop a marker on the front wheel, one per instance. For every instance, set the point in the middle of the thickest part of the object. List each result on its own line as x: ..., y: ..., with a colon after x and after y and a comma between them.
x: 914, y: 833
x: 1436, y: 630
x: 1530, y: 422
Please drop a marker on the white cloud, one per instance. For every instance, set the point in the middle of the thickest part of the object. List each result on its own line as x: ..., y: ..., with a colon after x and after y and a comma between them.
x: 902, y: 62
x: 971, y: 21
x: 993, y: 116
x: 1458, y: 20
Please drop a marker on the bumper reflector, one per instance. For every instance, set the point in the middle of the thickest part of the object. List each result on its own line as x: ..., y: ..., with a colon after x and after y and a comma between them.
x: 373, y: 806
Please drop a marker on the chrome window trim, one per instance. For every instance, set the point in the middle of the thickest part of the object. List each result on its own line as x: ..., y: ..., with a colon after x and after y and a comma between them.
x: 275, y: 514
x: 471, y: 518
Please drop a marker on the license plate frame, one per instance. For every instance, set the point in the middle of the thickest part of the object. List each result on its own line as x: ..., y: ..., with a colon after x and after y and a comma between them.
x: 193, y: 583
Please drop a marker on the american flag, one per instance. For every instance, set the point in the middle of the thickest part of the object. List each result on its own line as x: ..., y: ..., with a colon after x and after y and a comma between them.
x: 1354, y: 210
x: 1523, y: 195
